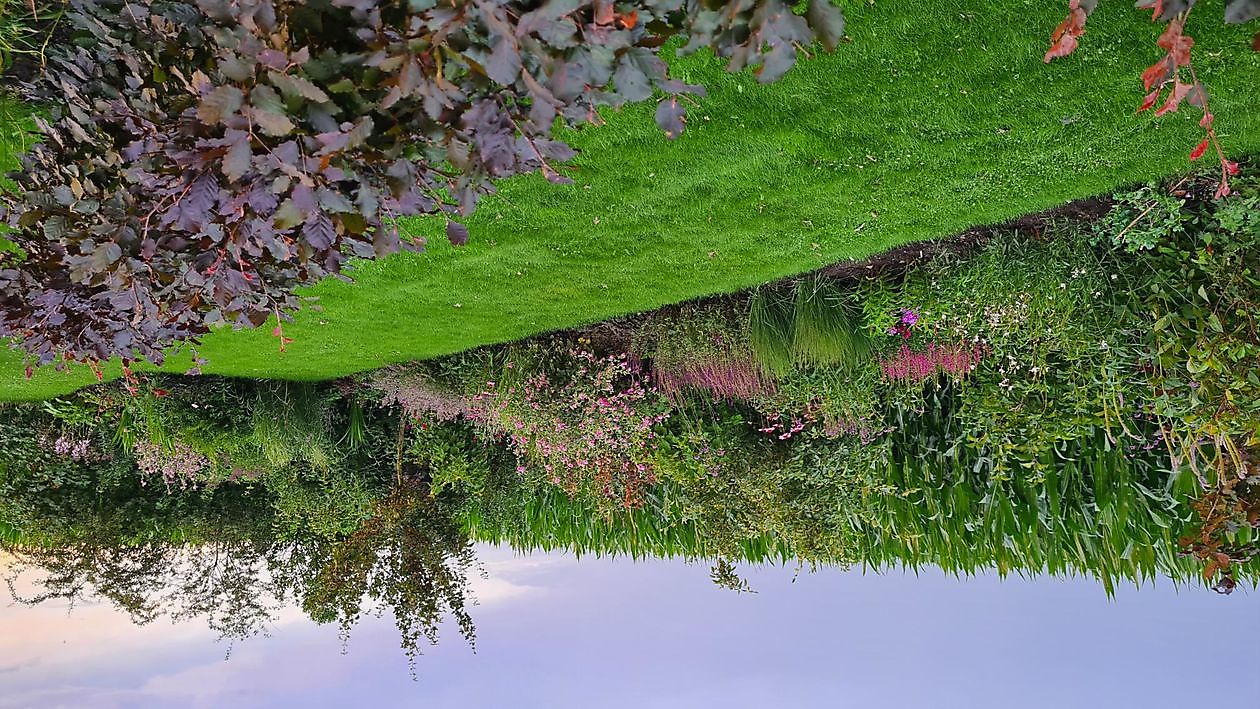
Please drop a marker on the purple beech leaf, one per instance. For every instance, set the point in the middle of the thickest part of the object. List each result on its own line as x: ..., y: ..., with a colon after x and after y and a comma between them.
x: 319, y: 231
x: 220, y: 103
x: 827, y: 20
x: 504, y: 63
x: 671, y: 117
x: 456, y: 233
x: 239, y: 155
x: 297, y: 86
x: 267, y: 111
x: 273, y: 59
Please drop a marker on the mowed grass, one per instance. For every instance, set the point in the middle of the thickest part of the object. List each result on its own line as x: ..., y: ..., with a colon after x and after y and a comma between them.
x: 937, y: 117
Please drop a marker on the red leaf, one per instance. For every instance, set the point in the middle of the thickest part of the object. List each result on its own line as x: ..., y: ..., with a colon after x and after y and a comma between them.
x: 277, y: 331
x: 604, y: 12
x: 1199, y: 150
x: 1157, y: 6
x: 1230, y: 167
x: 1158, y: 73
x: 1064, y: 38
x: 1063, y: 47
x: 1177, y: 44
x: 1175, y: 97
x: 1151, y: 98
x: 1223, y: 190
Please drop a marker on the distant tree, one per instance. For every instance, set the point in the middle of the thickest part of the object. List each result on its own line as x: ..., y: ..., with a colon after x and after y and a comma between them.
x: 409, y: 558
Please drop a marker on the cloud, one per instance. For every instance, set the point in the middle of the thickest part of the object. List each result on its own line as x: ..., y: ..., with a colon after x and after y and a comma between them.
x: 13, y: 667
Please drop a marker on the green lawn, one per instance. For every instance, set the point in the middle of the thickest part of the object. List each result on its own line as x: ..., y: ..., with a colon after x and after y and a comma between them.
x: 937, y: 117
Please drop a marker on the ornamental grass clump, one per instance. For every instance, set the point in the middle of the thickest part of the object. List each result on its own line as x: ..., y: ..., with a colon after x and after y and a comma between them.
x: 704, y: 348
x: 815, y: 322
x: 577, y: 420
x: 913, y: 367
x: 419, y: 396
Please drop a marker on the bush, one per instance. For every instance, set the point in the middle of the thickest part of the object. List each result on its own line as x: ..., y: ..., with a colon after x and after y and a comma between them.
x: 1195, y: 295
x: 577, y: 420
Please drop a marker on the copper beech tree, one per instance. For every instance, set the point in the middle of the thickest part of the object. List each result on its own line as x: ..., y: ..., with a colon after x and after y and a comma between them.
x: 203, y: 158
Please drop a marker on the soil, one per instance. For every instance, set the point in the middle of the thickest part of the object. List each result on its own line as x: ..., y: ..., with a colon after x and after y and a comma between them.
x: 902, y: 258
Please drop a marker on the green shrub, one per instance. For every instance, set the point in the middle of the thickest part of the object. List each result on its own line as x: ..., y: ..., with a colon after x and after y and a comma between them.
x: 1195, y: 299
x: 451, y: 456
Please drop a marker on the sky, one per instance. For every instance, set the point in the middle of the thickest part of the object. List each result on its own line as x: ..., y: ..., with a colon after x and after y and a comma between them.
x: 554, y: 631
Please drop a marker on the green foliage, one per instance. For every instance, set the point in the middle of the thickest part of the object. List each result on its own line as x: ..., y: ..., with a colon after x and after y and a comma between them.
x: 1196, y: 294
x: 576, y: 419
x: 323, y: 505
x: 451, y: 457
x: 1143, y: 218
x: 408, y: 558
x: 224, y: 562
x: 1058, y: 360
x: 814, y: 322
x: 1093, y: 508
x: 827, y: 328
x: 16, y: 137
x: 771, y: 329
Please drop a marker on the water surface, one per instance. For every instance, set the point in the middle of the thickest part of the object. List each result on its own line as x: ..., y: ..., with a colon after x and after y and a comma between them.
x: 554, y: 631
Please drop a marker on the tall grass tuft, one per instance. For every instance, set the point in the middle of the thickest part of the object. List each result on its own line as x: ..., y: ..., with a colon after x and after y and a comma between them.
x: 812, y: 323
x: 827, y: 326
x: 292, y: 423
x: 703, y: 348
x: 772, y: 328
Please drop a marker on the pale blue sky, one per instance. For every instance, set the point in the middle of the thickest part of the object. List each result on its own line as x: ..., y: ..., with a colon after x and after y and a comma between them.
x: 556, y: 632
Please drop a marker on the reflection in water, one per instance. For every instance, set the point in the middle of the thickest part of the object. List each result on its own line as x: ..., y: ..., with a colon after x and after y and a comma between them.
x: 406, y: 559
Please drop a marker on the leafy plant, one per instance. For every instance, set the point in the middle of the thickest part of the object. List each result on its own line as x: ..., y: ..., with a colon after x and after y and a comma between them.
x: 1142, y: 219
x: 1197, y: 294
x: 1226, y: 534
